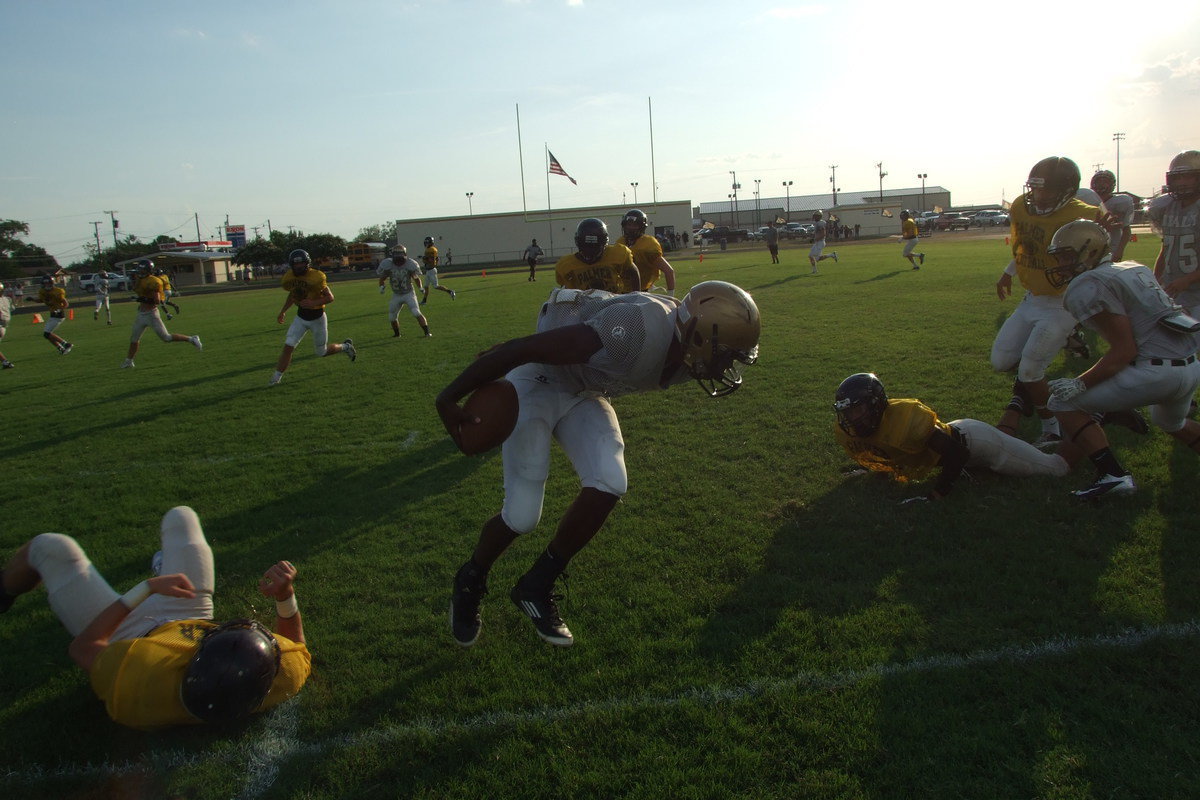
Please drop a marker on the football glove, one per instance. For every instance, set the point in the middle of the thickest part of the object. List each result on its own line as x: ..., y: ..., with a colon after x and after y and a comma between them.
x: 1065, y: 389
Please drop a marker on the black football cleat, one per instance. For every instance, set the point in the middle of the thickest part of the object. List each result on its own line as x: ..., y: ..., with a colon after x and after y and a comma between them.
x: 464, y: 609
x: 542, y: 609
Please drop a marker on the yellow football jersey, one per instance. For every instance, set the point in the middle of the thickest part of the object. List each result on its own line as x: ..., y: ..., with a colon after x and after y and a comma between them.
x: 1031, y: 236
x: 606, y: 273
x: 901, y: 445
x: 139, y: 679
x: 430, y: 259
x: 148, y: 287
x: 646, y: 252
x: 909, y: 229
x: 308, y: 286
x: 55, y: 297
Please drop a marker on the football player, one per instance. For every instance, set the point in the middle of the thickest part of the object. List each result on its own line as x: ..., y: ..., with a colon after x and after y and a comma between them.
x: 1034, y: 333
x: 102, y: 300
x: 1118, y: 210
x: 771, y: 237
x: 596, y: 264
x: 6, y: 306
x: 402, y: 272
x: 429, y: 262
x: 154, y: 655
x: 167, y: 291
x: 817, y: 251
x: 532, y: 255
x: 308, y: 290
x: 1151, y: 357
x: 589, y: 346
x: 647, y: 251
x: 55, y: 298
x: 910, y: 235
x: 149, y: 291
x: 1177, y: 216
x: 906, y: 438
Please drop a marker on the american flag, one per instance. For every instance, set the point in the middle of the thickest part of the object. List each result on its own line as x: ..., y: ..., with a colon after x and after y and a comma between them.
x: 556, y: 169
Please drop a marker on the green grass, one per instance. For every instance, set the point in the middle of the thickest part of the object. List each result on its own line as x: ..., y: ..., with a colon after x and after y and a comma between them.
x: 752, y: 622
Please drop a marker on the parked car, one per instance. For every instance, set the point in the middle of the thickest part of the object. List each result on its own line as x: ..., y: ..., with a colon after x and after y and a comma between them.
x: 798, y: 230
x: 950, y: 221
x: 989, y: 218
x: 116, y: 282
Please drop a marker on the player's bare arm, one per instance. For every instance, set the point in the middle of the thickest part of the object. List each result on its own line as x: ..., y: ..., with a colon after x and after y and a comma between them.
x: 277, y: 584
x: 1117, y: 330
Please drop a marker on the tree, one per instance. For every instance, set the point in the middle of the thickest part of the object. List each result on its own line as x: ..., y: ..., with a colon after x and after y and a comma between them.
x: 385, y: 232
x: 16, y: 256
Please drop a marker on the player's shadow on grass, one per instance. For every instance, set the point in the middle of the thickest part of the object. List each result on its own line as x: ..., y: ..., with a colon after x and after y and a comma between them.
x: 853, y: 574
x: 883, y: 276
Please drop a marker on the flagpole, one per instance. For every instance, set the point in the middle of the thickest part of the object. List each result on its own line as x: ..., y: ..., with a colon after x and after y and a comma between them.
x: 549, y: 211
x: 653, y: 180
x: 521, y: 159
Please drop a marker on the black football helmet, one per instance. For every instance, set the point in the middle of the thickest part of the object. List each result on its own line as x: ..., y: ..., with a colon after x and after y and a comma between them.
x: 859, y: 404
x: 429, y: 241
x: 231, y: 673
x: 299, y: 261
x: 1076, y: 247
x: 718, y: 325
x: 1059, y: 175
x: 634, y: 223
x: 906, y: 214
x: 1183, y: 176
x: 47, y: 281
x: 591, y: 237
x: 144, y: 266
x: 1104, y: 183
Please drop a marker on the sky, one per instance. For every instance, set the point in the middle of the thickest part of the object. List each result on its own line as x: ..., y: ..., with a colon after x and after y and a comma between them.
x: 327, y: 117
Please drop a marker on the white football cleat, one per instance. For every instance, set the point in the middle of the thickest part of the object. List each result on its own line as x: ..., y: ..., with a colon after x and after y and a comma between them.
x: 195, y: 340
x: 1107, y: 484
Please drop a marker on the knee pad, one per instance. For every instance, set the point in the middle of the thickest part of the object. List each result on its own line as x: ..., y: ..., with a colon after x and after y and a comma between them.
x: 58, y: 559
x: 1031, y: 373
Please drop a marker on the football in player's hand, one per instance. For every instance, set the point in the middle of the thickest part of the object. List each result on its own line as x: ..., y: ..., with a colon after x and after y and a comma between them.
x: 495, y: 406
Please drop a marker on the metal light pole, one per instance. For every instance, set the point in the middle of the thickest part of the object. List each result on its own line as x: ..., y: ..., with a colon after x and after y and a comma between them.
x: 923, y: 176
x: 634, y: 184
x: 112, y: 216
x: 882, y: 175
x: 470, y: 205
x: 1118, y: 138
x: 757, y: 211
x: 833, y: 182
x: 787, y: 187
x: 736, y: 186
x: 730, y: 196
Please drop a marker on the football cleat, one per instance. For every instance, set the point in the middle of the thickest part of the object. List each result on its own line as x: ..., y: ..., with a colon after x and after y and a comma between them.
x: 1047, y: 440
x: 348, y: 349
x: 428, y: 335
x: 6, y: 364
x: 835, y: 259
x: 464, y: 609
x: 66, y: 348
x: 195, y: 340
x: 127, y: 363
x: 921, y: 256
x: 1107, y: 484
x: 1126, y: 418
x: 453, y: 294
x: 274, y: 381
x: 542, y: 609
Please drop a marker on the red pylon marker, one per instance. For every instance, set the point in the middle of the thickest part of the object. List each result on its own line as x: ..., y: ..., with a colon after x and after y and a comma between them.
x: 71, y: 314
x: 1133, y: 238
x: 485, y: 273
x: 1006, y: 240
x: 37, y: 319
x: 702, y: 258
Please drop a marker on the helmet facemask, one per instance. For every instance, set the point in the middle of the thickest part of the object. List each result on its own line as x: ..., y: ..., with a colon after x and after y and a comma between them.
x: 859, y: 404
x: 591, y: 237
x: 1183, y: 176
x: 718, y: 327
x: 1076, y: 247
x: 1052, y: 183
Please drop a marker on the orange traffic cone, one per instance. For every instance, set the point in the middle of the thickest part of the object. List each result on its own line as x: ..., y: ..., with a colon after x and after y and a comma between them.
x: 37, y: 319
x: 702, y: 258
x: 1006, y: 240
x: 1133, y: 238
x: 485, y: 273
x: 71, y: 314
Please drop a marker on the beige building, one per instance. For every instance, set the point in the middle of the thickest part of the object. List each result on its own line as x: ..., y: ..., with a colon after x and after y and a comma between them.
x: 191, y: 267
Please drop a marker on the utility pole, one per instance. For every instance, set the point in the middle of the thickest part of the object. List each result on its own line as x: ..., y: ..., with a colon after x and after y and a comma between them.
x: 882, y: 175
x: 787, y: 187
x: 757, y: 212
x: 256, y: 229
x: 833, y: 181
x: 736, y: 186
x: 1118, y: 138
x: 96, y: 230
x: 197, y: 216
x: 115, y: 224
x: 270, y: 233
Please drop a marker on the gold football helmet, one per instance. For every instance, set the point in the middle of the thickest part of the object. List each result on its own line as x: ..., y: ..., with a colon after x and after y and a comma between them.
x: 1183, y: 176
x: 1077, y: 246
x: 718, y: 326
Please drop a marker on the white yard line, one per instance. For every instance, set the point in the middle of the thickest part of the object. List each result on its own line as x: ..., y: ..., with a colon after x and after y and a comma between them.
x: 263, y: 755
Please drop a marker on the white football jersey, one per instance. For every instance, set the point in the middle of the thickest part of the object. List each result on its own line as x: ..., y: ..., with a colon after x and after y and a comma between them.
x: 1130, y: 289
x: 399, y: 275
x: 636, y: 330
x: 1088, y: 196
x: 1180, y: 228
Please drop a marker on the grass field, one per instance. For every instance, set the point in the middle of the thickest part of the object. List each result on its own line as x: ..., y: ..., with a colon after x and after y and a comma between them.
x: 752, y: 622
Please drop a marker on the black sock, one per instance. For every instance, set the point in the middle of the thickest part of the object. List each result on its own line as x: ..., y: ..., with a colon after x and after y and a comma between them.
x: 471, y: 574
x: 1106, y: 463
x: 544, y: 572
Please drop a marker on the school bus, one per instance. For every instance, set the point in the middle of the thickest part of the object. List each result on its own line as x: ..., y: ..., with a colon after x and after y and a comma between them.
x: 366, y: 255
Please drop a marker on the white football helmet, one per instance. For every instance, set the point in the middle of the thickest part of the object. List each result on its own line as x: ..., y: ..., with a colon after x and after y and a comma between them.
x: 718, y: 325
x: 1077, y: 247
x: 1183, y: 176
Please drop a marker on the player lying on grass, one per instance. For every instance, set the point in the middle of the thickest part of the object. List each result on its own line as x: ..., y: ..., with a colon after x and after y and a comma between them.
x: 154, y: 656
x: 1151, y: 357
x: 906, y: 439
x: 590, y: 346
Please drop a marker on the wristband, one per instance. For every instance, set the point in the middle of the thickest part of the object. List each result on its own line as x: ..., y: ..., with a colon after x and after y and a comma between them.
x: 286, y: 609
x: 135, y: 596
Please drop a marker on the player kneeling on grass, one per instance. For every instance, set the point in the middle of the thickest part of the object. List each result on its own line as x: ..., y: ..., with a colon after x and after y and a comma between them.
x: 307, y: 290
x: 906, y: 438
x: 1151, y: 358
x: 154, y: 655
x: 591, y: 345
x: 149, y: 290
